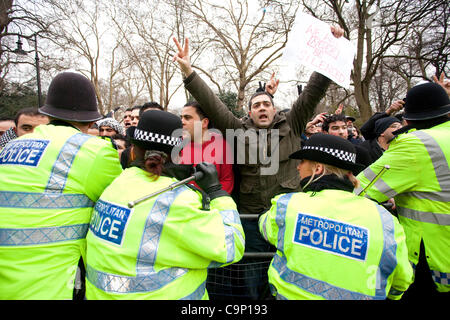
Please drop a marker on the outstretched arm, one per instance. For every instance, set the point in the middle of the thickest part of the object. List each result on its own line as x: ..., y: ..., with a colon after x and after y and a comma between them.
x: 211, y: 105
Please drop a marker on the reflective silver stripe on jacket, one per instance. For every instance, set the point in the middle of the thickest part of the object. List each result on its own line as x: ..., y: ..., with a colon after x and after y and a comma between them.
x: 280, y: 219
x: 53, y: 197
x: 442, y: 219
x: 441, y: 170
x: 264, y: 228
x: 388, y: 259
x: 63, y: 163
x: 380, y: 184
x: 387, y: 265
x: 147, y: 278
x: 438, y: 159
x: 12, y: 199
x: 38, y: 236
x: 197, y: 294
x: 441, y: 196
x: 228, y: 217
x: 314, y: 286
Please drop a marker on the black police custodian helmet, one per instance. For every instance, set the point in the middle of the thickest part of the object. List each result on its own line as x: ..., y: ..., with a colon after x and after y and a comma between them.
x: 426, y: 101
x: 329, y: 149
x: 71, y: 96
x: 154, y: 131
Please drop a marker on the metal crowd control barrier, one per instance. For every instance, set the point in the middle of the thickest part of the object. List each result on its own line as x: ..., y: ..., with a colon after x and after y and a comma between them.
x: 246, y: 279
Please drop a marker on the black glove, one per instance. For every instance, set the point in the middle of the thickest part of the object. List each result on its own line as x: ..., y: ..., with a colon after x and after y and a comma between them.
x: 261, y: 88
x: 209, y: 182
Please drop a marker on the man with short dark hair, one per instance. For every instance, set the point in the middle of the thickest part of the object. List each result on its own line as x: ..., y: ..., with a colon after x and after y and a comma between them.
x: 336, y: 125
x: 150, y: 106
x: 25, y: 121
x: 126, y: 121
x: 134, y: 117
x: 204, y: 145
x: 278, y: 134
x: 384, y: 129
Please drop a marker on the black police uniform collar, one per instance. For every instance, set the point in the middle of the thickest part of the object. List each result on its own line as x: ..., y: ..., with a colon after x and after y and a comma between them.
x: 427, y: 125
x: 329, y: 181
x: 171, y: 170
x: 58, y: 122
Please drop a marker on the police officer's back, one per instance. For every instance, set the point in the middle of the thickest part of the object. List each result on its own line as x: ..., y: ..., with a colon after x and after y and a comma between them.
x: 419, y: 181
x: 50, y: 182
x: 162, y: 247
x: 332, y: 244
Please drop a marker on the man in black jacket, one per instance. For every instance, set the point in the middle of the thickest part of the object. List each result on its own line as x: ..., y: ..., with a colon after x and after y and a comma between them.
x: 383, y: 136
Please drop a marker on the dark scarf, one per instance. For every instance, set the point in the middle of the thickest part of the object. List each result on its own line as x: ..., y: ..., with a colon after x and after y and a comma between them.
x: 330, y: 181
x: 58, y: 122
x: 421, y: 125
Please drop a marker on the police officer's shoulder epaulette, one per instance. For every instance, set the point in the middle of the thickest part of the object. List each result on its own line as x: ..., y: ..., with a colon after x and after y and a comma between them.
x: 400, y: 132
x: 205, y: 198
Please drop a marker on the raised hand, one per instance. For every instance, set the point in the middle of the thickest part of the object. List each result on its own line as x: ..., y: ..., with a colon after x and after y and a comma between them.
x: 182, y: 57
x: 319, y: 118
x: 395, y: 107
x: 337, y: 31
x: 272, y: 85
x: 444, y: 83
x: 339, y: 109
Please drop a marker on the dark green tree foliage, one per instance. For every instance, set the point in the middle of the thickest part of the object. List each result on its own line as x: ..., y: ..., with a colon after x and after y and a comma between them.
x: 230, y: 100
x: 16, y: 96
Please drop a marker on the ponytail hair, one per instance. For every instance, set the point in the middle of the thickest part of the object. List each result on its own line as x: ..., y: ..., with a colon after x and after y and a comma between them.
x: 153, y: 163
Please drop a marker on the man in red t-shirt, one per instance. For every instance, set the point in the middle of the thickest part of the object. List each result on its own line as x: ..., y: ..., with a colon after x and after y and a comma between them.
x: 206, y: 145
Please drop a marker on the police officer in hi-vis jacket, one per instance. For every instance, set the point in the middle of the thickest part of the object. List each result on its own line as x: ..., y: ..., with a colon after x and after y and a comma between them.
x: 50, y: 181
x: 332, y: 244
x: 162, y: 247
x: 419, y: 182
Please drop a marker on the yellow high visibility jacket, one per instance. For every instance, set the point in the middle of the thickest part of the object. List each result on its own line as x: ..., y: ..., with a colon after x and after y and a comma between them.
x: 162, y: 247
x: 419, y: 180
x: 50, y: 180
x: 335, y: 245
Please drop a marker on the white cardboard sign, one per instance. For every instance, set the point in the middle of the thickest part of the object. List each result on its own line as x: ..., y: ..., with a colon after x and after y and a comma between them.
x: 312, y: 44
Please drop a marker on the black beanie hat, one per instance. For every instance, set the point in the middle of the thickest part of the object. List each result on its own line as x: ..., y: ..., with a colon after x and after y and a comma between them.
x: 382, y: 124
x: 71, y: 96
x: 426, y: 101
x: 154, y: 131
x: 329, y: 149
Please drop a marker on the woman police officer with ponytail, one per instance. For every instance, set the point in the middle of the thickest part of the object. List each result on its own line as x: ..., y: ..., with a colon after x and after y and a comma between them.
x: 332, y: 244
x: 161, y: 248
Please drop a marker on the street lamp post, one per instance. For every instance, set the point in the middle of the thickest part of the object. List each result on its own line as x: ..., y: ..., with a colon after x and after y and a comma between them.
x: 20, y: 51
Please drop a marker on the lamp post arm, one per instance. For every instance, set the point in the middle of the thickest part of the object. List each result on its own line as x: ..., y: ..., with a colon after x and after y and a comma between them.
x: 38, y: 71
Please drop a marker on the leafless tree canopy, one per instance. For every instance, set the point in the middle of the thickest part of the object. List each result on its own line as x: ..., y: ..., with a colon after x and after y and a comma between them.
x: 125, y: 46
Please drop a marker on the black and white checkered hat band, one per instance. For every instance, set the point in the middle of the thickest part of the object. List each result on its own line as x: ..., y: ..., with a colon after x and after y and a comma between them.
x: 156, y: 137
x: 340, y: 154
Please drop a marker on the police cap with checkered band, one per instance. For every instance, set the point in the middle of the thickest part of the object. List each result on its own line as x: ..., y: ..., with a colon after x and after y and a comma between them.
x: 154, y: 131
x: 329, y: 149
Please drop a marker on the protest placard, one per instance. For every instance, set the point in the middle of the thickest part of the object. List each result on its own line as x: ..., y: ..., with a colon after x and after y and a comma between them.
x: 312, y: 44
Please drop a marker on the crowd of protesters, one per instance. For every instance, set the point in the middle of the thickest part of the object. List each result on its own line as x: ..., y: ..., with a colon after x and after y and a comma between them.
x: 332, y: 180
